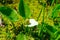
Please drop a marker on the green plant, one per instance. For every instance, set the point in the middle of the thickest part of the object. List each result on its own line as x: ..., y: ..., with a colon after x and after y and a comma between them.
x: 24, y: 10
x: 43, y: 31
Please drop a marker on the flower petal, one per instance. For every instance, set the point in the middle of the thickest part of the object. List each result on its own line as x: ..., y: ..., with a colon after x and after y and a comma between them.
x: 32, y: 23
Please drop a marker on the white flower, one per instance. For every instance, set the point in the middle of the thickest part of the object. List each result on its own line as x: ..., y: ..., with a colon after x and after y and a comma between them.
x: 32, y: 23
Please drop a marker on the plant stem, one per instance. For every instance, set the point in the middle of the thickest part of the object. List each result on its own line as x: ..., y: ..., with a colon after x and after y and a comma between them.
x: 39, y: 15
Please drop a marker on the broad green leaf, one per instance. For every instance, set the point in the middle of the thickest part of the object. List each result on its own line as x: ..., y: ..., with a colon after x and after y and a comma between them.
x: 21, y: 37
x: 27, y: 11
x: 55, y: 11
x: 21, y: 8
x: 24, y: 9
x: 9, y: 13
x: 5, y: 19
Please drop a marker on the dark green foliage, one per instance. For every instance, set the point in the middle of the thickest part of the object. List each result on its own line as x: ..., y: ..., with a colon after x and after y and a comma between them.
x: 59, y: 39
x: 56, y: 21
x: 2, y: 2
x: 9, y: 13
x: 45, y: 36
x: 50, y: 28
x: 6, y: 10
x: 24, y: 9
x: 21, y: 8
x: 9, y: 1
x: 49, y: 2
x: 41, y: 3
x: 20, y: 29
x: 6, y: 2
x: 55, y: 11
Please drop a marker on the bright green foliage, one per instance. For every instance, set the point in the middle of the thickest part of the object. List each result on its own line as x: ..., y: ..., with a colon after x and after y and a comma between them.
x: 44, y: 31
x: 24, y: 9
x: 27, y: 11
x: 56, y: 11
x: 21, y: 36
x: 10, y: 13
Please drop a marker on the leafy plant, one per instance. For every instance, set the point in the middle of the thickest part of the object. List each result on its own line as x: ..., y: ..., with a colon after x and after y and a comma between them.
x: 55, y: 11
x: 24, y: 9
x: 21, y: 37
x: 9, y: 13
x: 41, y: 32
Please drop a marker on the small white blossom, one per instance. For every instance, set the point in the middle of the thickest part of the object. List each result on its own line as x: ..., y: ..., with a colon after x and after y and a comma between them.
x: 32, y: 22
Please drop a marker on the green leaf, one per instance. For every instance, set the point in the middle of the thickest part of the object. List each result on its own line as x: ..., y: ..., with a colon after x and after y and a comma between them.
x: 55, y: 11
x: 27, y: 11
x: 24, y: 9
x: 5, y: 11
x: 50, y: 28
x: 21, y: 8
x: 9, y: 13
x: 21, y: 36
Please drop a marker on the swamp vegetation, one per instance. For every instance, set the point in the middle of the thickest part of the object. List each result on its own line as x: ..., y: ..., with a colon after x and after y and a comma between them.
x: 16, y: 15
